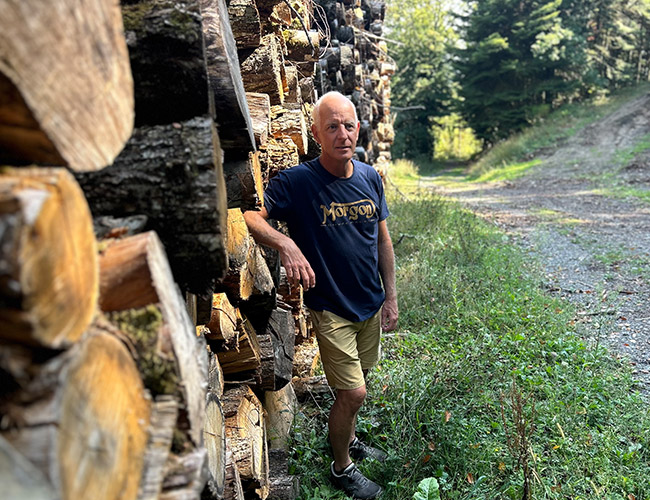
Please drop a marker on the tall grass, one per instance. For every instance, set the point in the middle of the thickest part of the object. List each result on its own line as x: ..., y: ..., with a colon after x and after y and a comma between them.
x: 489, y: 385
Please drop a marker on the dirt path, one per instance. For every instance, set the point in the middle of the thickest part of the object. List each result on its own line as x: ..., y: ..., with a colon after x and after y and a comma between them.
x: 595, y: 249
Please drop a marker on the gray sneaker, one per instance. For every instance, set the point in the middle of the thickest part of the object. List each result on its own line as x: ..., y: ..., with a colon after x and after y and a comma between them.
x: 353, y: 483
x: 360, y: 451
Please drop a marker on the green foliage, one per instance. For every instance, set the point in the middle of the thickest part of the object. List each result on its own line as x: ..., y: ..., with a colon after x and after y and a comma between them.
x: 424, y: 81
x: 428, y: 489
x: 473, y: 322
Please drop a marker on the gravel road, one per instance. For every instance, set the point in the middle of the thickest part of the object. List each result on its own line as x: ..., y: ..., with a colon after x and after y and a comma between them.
x: 594, y: 248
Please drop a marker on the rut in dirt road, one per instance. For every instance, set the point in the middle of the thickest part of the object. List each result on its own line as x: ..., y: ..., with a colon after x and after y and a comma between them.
x: 594, y: 247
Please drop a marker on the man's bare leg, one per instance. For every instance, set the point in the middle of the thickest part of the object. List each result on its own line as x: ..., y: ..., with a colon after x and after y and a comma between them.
x: 343, y: 417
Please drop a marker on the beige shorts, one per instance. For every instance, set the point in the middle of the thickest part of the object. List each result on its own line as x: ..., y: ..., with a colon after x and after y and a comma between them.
x: 346, y: 347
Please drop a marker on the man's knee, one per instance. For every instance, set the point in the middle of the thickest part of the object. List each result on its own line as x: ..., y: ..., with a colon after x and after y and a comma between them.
x: 352, y: 399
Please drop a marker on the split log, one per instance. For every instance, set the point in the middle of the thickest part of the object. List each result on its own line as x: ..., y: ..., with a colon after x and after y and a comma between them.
x: 48, y: 258
x: 244, y: 360
x: 214, y: 437
x: 278, y: 154
x: 281, y: 407
x: 260, y: 109
x: 306, y: 358
x: 291, y: 295
x: 19, y: 478
x: 179, y: 186
x: 304, y: 330
x: 248, y: 279
x: 277, y: 350
x: 282, y: 486
x: 227, y: 98
x: 215, y: 375
x: 135, y: 274
x: 290, y: 123
x: 232, y: 488
x: 61, y: 425
x: 244, y: 182
x: 311, y: 388
x: 301, y: 47
x: 293, y: 99
x: 65, y: 83
x: 245, y: 23
x: 224, y: 321
x: 263, y: 70
x: 186, y: 475
x: 164, y: 414
x: 246, y: 433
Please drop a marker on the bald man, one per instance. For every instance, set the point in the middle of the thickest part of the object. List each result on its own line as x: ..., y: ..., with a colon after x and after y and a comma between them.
x: 340, y: 250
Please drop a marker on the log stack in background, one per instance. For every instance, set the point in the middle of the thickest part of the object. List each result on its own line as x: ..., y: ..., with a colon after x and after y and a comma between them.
x: 147, y: 342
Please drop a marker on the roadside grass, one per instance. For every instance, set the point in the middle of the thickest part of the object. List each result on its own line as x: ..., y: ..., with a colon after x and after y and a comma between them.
x: 490, y: 384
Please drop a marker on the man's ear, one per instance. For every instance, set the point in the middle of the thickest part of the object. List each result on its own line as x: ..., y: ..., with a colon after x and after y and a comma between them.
x: 314, y: 132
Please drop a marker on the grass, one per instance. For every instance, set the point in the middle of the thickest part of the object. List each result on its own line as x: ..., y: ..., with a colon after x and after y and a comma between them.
x: 491, y: 384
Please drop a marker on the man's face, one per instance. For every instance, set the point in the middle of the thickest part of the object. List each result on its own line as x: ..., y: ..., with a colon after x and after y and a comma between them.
x: 337, y: 131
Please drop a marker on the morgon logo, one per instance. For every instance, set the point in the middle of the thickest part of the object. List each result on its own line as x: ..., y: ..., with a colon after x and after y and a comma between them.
x: 348, y: 211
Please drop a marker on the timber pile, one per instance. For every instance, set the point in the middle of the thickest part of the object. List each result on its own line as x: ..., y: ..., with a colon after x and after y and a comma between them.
x: 355, y: 62
x: 148, y: 342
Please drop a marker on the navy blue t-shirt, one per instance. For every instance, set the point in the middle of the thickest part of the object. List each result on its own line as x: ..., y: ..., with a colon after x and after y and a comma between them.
x: 334, y: 222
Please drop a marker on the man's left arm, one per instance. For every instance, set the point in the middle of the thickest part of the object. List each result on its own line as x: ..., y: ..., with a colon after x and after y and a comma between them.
x: 387, y: 271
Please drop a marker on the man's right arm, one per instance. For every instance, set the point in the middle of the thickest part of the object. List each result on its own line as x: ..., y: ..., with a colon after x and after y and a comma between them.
x: 293, y: 260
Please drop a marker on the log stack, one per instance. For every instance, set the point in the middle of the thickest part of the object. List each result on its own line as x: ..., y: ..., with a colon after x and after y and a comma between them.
x: 148, y: 342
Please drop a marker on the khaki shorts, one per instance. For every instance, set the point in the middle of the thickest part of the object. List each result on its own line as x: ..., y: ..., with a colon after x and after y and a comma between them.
x: 346, y: 347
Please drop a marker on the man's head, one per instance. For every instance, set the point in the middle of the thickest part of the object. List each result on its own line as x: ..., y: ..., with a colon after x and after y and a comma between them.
x: 335, y: 128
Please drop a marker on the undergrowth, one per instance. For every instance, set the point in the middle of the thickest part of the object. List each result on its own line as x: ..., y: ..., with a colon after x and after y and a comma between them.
x: 490, y: 386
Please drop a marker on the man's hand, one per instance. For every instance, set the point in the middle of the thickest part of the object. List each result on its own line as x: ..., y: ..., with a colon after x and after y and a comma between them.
x: 389, y: 315
x: 296, y: 265
x: 293, y: 260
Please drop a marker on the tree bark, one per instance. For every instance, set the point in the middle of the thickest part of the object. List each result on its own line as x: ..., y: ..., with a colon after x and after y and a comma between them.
x: 223, y: 325
x: 290, y: 123
x: 244, y: 182
x: 245, y: 23
x: 66, y: 90
x: 260, y: 109
x: 173, y: 176
x: 48, y: 258
x: 281, y: 407
x: 19, y: 478
x: 233, y: 487
x: 61, y: 425
x: 135, y: 274
x: 277, y: 350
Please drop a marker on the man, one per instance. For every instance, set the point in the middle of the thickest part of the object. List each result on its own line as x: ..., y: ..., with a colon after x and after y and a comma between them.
x: 340, y: 250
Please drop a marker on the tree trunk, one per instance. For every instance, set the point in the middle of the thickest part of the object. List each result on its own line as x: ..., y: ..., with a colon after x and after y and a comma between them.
x: 281, y: 407
x: 232, y: 488
x: 260, y: 109
x: 135, y: 274
x: 245, y: 430
x: 244, y: 182
x: 48, y: 254
x: 290, y: 123
x: 164, y: 414
x: 227, y: 98
x: 65, y: 83
x: 214, y: 436
x: 19, y: 478
x: 263, y: 70
x: 245, y: 23
x: 277, y: 350
x: 173, y: 176
x: 223, y: 325
x: 61, y: 425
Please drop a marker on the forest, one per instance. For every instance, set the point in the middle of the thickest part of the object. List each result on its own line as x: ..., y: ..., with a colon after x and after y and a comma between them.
x: 476, y: 72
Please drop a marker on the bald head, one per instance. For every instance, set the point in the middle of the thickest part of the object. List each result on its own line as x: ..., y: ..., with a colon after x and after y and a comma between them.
x: 332, y: 97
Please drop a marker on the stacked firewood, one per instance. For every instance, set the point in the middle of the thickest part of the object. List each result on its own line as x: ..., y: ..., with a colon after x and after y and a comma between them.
x: 147, y: 342
x: 355, y: 61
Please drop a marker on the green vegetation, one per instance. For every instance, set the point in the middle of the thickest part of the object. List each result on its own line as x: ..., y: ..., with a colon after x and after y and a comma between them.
x: 490, y: 386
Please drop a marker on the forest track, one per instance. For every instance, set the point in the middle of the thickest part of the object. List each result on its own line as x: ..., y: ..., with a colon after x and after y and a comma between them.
x: 594, y: 247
